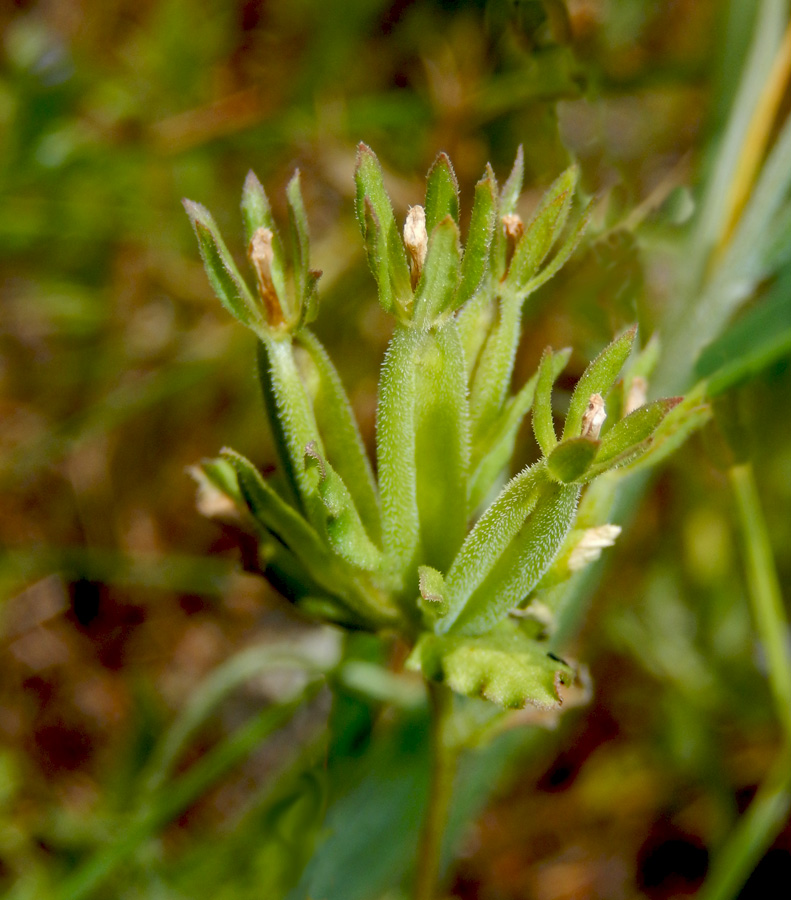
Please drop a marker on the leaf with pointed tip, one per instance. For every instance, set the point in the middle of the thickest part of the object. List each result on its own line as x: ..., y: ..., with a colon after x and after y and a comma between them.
x: 300, y: 243
x: 434, y: 601
x: 437, y: 287
x: 570, y: 460
x: 512, y: 188
x: 543, y: 423
x: 490, y: 537
x: 224, y: 276
x: 442, y: 193
x: 522, y: 563
x: 562, y: 256
x: 257, y: 213
x: 475, y: 261
x: 340, y: 434
x: 386, y: 254
x: 506, y: 667
x: 490, y: 455
x: 598, y: 378
x: 634, y: 428
x: 345, y: 531
x: 542, y: 232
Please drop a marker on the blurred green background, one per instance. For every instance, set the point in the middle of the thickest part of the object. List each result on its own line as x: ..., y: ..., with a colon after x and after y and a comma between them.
x: 118, y: 370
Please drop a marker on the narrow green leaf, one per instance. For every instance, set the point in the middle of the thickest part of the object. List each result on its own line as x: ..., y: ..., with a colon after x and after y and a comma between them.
x: 257, y: 213
x: 345, y: 531
x: 340, y: 434
x: 598, y: 378
x: 437, y: 287
x: 395, y: 449
x: 433, y: 592
x: 569, y: 461
x: 505, y: 667
x: 300, y: 241
x: 374, y: 209
x: 441, y: 445
x: 542, y: 232
x: 562, y: 256
x: 490, y: 537
x: 226, y: 281
x: 634, y: 428
x: 509, y: 196
x: 543, y: 424
x: 475, y: 262
x: 519, y: 568
x: 442, y: 193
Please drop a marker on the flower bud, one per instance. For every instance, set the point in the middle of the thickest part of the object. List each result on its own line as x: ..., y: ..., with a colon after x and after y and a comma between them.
x: 416, y: 241
x: 637, y: 395
x: 261, y: 253
x: 593, y: 417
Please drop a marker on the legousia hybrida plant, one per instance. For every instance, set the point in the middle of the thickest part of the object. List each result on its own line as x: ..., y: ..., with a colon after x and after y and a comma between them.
x: 439, y: 545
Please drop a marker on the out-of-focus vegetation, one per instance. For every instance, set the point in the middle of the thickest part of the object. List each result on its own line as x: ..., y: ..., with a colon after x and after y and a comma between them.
x: 123, y: 773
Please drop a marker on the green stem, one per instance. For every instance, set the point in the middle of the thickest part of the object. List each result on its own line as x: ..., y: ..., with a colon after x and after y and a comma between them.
x: 443, y: 770
x: 769, y: 810
x: 764, y: 589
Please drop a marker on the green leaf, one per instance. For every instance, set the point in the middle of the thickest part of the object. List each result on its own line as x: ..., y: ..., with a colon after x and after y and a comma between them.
x: 340, y: 434
x: 562, y: 256
x: 345, y: 531
x: 634, y: 428
x: 505, y: 667
x: 598, y: 378
x: 756, y: 340
x: 385, y: 249
x: 569, y: 461
x: 542, y: 232
x: 475, y: 262
x: 519, y: 567
x: 543, y: 423
x: 441, y: 445
x: 490, y: 537
x: 509, y: 196
x: 437, y: 287
x: 226, y: 281
x: 305, y: 280
x: 442, y: 193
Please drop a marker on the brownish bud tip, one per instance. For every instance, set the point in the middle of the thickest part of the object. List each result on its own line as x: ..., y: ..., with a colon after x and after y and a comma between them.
x: 416, y: 241
x: 260, y: 252
x: 593, y: 417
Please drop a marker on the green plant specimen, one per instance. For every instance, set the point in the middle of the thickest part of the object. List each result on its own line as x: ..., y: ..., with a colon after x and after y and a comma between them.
x: 439, y: 547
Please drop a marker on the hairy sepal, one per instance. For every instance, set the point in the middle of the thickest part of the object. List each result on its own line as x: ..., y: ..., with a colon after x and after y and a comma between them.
x: 436, y: 289
x: 475, y: 262
x: 442, y: 193
x: 257, y: 213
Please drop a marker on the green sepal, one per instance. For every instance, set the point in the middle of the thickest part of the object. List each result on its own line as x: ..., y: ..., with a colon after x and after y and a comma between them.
x: 522, y: 563
x: 475, y: 262
x: 634, y: 428
x: 257, y: 213
x: 304, y: 277
x: 598, y: 378
x: 395, y: 450
x: 224, y: 277
x: 560, y: 259
x: 218, y: 474
x: 542, y: 232
x: 569, y: 461
x: 433, y: 592
x: 345, y: 532
x: 492, y: 451
x: 490, y: 537
x: 340, y: 434
x: 437, y: 286
x: 505, y: 667
x: 475, y: 321
x: 442, y: 193
x: 442, y: 445
x: 543, y: 423
x: 384, y: 247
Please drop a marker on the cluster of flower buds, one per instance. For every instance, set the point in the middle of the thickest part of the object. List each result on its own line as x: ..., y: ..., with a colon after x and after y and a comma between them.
x: 441, y: 545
